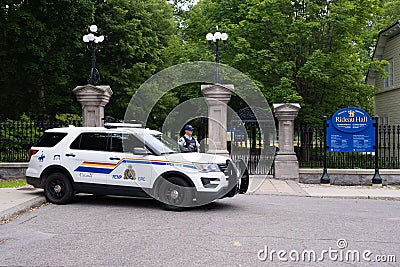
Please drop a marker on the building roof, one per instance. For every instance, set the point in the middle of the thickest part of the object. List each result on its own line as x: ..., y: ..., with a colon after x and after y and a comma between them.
x: 383, y: 37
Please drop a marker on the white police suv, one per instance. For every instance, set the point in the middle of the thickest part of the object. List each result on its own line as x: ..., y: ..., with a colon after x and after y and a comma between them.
x: 129, y: 161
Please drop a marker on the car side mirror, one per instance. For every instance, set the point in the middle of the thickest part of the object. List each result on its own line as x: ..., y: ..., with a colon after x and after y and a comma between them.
x: 140, y: 151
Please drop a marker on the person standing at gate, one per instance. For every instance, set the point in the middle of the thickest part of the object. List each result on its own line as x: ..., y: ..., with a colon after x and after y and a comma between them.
x: 187, y: 142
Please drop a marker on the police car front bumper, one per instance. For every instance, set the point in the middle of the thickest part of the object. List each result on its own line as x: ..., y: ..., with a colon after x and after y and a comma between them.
x: 227, y: 185
x: 207, y: 197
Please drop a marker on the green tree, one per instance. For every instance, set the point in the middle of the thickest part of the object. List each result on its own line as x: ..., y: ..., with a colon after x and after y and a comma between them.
x: 313, y: 51
x: 137, y: 34
x: 40, y: 54
x: 43, y: 58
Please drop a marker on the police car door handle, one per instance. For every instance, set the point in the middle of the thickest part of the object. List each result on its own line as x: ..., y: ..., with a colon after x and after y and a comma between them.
x: 114, y: 158
x: 70, y: 155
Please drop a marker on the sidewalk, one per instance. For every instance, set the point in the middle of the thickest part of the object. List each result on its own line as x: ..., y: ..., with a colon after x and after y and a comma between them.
x: 16, y: 201
x: 259, y: 186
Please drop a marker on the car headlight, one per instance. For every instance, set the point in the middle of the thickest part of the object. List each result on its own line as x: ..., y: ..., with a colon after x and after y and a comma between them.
x: 207, y: 167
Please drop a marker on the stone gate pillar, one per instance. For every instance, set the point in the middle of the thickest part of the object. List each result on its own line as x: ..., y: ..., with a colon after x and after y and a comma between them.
x: 93, y: 100
x: 286, y: 164
x: 217, y: 97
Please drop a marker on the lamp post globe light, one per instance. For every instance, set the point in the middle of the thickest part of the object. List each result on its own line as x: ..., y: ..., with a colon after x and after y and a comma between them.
x: 214, y: 42
x: 92, y: 42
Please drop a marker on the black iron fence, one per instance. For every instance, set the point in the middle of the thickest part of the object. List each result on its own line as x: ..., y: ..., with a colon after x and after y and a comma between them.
x: 16, y: 137
x: 309, y: 148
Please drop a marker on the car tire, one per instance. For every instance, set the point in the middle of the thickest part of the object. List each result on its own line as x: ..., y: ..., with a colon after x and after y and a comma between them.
x: 58, y: 189
x: 176, y: 194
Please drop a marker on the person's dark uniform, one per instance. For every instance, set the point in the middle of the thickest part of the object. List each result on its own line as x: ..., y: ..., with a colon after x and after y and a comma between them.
x: 187, y: 142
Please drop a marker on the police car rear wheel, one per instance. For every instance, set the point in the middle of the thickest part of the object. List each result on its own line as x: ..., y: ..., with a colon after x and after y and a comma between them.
x: 175, y: 194
x: 58, y: 189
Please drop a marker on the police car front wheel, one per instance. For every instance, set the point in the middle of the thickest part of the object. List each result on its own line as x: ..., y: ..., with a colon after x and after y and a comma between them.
x: 58, y: 189
x: 175, y: 194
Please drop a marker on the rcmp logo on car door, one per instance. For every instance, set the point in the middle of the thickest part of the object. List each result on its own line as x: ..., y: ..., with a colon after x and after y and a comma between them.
x: 130, y: 169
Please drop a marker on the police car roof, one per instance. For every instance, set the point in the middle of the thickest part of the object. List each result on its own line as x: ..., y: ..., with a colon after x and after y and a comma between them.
x: 122, y: 125
x: 103, y: 129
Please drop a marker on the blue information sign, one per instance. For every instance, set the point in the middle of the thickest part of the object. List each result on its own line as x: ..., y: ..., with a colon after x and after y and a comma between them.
x: 350, y: 130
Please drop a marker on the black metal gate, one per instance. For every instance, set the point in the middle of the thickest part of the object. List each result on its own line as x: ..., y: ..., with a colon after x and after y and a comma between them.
x: 252, y: 139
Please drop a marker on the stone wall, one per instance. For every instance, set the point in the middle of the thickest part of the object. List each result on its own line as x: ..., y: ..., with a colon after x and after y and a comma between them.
x: 350, y: 176
x: 11, y: 171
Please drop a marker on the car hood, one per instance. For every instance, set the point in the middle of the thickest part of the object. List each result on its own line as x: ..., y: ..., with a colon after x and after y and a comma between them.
x: 197, y: 157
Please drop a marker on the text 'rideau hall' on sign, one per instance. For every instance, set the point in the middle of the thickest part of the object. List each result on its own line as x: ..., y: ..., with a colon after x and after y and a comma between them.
x: 350, y: 130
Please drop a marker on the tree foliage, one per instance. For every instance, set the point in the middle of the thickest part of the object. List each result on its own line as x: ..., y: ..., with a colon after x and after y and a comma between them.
x: 316, y: 52
x: 40, y: 44
x: 43, y: 58
x: 137, y: 37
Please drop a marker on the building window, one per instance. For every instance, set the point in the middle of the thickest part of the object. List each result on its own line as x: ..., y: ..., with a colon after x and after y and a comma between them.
x: 388, y: 81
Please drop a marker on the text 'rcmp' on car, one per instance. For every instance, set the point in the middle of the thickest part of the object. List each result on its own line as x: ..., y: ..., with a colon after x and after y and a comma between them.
x: 127, y: 160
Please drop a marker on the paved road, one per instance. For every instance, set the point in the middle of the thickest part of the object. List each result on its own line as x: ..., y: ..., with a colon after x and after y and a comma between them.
x: 230, y: 232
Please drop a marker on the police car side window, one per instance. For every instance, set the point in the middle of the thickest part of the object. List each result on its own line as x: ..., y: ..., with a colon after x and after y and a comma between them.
x: 90, y: 141
x: 50, y: 139
x: 116, y: 144
x: 120, y: 141
x: 130, y: 141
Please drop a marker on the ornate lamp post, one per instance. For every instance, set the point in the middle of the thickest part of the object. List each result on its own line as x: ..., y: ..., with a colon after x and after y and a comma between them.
x: 91, y: 41
x: 214, y: 42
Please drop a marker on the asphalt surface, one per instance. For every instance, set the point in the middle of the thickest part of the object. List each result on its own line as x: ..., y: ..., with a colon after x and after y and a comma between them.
x: 17, y: 201
x: 114, y: 231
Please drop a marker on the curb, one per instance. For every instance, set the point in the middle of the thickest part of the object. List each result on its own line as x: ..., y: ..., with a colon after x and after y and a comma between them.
x: 14, y: 212
x: 295, y: 186
x: 360, y: 197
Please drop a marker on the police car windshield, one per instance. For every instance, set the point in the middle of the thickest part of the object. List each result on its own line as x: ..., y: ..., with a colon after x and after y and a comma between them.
x: 161, y: 143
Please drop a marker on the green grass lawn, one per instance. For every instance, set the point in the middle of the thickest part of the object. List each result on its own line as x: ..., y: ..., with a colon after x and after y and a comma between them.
x: 12, y: 184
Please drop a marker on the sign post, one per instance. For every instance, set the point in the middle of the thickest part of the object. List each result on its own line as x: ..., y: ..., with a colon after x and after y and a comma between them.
x: 377, y: 178
x: 325, y: 177
x: 351, y: 130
